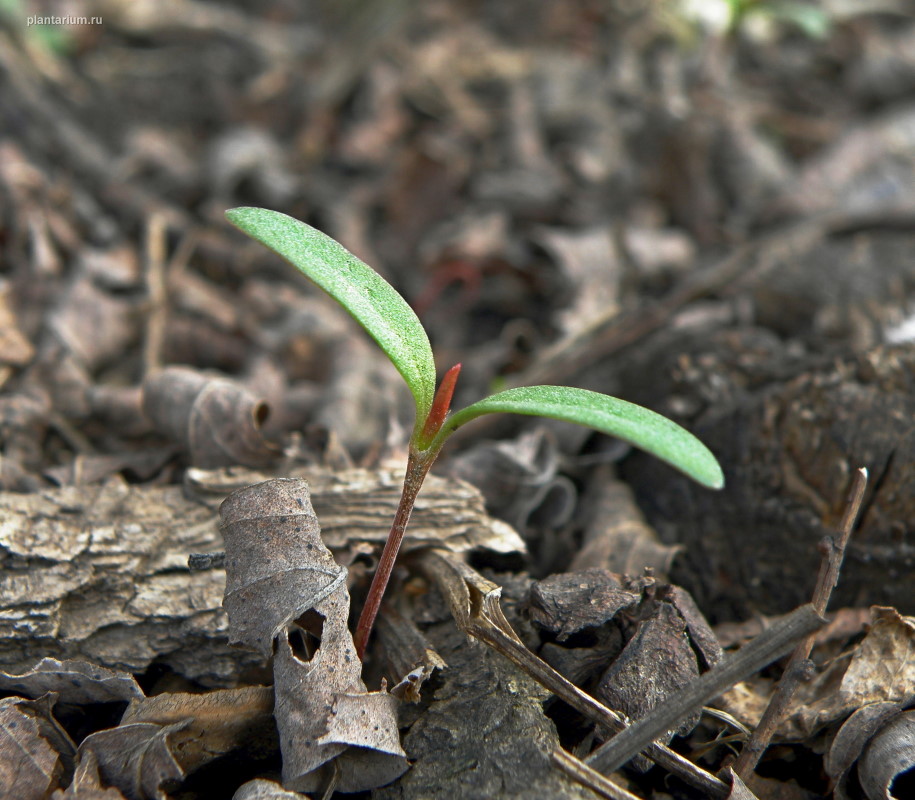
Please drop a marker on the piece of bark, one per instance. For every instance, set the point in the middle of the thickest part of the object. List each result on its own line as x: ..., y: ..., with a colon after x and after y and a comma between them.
x: 569, y: 602
x: 655, y: 664
x: 487, y: 717
x: 97, y: 573
x: 358, y: 505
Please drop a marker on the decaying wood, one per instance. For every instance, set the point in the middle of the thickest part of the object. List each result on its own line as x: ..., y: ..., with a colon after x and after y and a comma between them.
x: 100, y: 573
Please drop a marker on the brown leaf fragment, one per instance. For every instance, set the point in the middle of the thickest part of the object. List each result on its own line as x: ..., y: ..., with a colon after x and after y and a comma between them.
x: 217, y: 722
x: 656, y: 662
x: 86, y: 783
x: 76, y: 682
x: 30, y: 767
x: 15, y: 348
x: 137, y: 758
x: 889, y: 755
x: 216, y: 420
x: 568, y: 602
x: 260, y: 789
x: 880, y: 668
x: 94, y: 325
x: 277, y: 567
x: 324, y: 713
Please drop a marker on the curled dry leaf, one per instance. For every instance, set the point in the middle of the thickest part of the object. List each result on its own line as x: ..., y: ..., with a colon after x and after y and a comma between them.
x: 277, y: 567
x: 30, y: 764
x: 216, y: 420
x: 616, y: 534
x: 881, y: 668
x: 852, y: 738
x: 888, y: 755
x: 286, y: 595
x: 76, y: 682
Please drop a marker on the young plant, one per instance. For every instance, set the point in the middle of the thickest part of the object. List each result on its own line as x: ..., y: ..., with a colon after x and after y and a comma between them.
x: 387, y: 318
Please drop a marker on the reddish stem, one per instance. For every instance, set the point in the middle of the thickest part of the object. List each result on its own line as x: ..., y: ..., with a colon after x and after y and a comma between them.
x: 417, y: 467
x: 440, y: 405
x: 418, y: 463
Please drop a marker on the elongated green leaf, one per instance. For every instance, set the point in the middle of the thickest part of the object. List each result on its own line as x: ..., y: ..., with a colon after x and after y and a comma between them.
x: 643, y: 428
x: 372, y: 301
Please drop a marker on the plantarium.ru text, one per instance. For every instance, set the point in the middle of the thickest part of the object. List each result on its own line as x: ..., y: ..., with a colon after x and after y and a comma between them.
x: 389, y: 320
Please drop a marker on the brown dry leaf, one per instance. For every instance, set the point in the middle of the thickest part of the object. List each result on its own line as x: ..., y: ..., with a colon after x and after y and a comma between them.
x: 30, y: 765
x: 216, y: 420
x: 137, y: 758
x: 86, y: 784
x: 286, y: 595
x: 217, y: 722
x: 76, y: 682
x: 519, y: 479
x: 589, y: 260
x: 93, y: 324
x: 15, y: 348
x: 880, y: 669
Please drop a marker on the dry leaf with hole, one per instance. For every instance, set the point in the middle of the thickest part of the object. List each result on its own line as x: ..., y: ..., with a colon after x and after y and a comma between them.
x: 277, y: 567
x: 216, y: 420
x: 286, y: 595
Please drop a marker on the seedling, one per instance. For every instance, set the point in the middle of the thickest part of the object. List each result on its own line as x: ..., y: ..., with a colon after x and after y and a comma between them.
x: 387, y: 318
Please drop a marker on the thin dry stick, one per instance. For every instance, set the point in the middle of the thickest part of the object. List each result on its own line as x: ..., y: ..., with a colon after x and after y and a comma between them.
x: 581, y: 773
x: 798, y: 666
x: 155, y: 288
